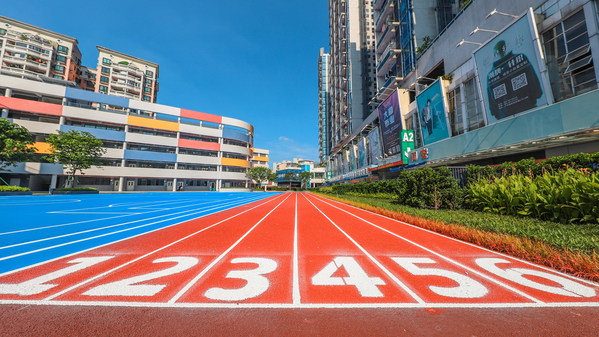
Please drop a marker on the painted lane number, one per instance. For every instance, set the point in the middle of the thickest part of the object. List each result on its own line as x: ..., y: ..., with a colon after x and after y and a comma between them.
x: 256, y: 284
x: 366, y: 285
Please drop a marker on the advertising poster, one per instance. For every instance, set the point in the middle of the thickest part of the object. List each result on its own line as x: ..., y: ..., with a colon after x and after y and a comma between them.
x: 352, y: 157
x: 346, y: 161
x: 508, y: 72
x: 374, y: 146
x: 362, y: 153
x: 391, y: 124
x: 433, y: 113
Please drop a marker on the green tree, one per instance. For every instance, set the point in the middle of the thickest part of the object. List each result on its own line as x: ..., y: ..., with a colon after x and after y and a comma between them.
x: 259, y: 174
x: 272, y: 176
x: 75, y: 150
x: 16, y: 144
x: 305, y: 177
x: 290, y: 176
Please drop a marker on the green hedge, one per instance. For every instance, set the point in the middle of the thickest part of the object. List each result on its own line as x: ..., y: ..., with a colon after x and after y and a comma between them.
x: 76, y: 189
x: 14, y: 189
x: 565, y: 196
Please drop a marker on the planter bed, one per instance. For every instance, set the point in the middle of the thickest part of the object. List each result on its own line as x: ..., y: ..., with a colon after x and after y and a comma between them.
x: 16, y: 193
x: 75, y: 192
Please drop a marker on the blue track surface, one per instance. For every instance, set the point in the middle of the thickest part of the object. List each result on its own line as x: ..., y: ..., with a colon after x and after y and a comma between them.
x: 34, y: 229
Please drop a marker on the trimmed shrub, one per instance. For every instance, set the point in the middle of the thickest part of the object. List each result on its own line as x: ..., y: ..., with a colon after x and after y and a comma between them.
x: 428, y: 188
x: 76, y: 189
x: 14, y: 189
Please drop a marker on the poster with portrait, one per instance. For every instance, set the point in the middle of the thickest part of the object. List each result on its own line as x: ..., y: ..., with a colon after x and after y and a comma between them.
x: 432, y: 111
x: 374, y: 146
x: 509, y: 72
x: 390, y: 121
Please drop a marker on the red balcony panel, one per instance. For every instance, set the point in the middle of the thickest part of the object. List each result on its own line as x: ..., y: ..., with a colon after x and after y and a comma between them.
x: 196, y: 144
x: 30, y: 106
x: 201, y: 116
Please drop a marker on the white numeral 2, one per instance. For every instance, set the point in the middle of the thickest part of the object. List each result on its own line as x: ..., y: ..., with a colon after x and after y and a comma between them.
x: 256, y: 283
x: 569, y: 287
x: 367, y: 286
x: 128, y: 286
x: 38, y: 285
x: 467, y: 287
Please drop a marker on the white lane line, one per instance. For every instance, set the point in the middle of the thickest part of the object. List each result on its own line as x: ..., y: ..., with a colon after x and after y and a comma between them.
x: 304, y: 305
x: 49, y: 298
x: 296, y: 291
x: 105, y: 244
x: 116, y: 232
x: 371, y: 258
x: 49, y: 202
x: 450, y: 260
x: 105, y: 227
x: 468, y: 244
x: 135, y: 205
x: 220, y: 257
x: 101, y: 219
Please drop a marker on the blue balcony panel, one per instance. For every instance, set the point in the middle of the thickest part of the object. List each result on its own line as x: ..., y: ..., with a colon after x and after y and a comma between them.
x: 151, y: 156
x: 90, y: 96
x: 98, y: 133
x: 236, y: 135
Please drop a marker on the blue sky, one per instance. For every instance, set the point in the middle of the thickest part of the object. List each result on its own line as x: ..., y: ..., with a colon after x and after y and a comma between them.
x: 252, y: 60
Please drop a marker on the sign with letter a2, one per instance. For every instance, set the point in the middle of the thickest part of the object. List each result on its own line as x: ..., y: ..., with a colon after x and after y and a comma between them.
x: 407, y: 144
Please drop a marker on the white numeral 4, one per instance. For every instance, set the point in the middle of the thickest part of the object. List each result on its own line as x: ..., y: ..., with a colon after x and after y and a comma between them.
x: 367, y: 286
x: 467, y: 287
x: 568, y: 287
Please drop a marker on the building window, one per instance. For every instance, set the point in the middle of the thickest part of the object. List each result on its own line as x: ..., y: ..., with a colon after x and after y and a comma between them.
x: 58, y: 77
x: 472, y: 106
x: 60, y: 58
x: 105, y: 70
x: 146, y: 98
x: 568, y: 56
x: 147, y: 90
x: 2, y: 31
x: 148, y: 81
x: 59, y: 69
x: 104, y: 79
x: 89, y: 83
x: 103, y: 88
x: 456, y: 116
x: 149, y: 73
x: 63, y: 49
x: 105, y: 61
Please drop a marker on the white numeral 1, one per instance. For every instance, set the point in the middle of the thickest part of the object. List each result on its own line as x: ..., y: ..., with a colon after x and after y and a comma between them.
x: 569, y: 287
x: 256, y: 283
x: 38, y: 285
x: 367, y: 286
x: 128, y: 286
x: 467, y: 287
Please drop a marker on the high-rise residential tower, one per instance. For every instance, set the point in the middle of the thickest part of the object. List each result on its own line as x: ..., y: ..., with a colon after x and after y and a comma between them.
x: 323, y: 101
x: 351, y: 75
x: 127, y: 76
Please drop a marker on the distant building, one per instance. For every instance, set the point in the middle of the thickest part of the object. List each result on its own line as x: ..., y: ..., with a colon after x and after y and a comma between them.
x: 324, y: 131
x: 259, y: 158
x: 296, y: 167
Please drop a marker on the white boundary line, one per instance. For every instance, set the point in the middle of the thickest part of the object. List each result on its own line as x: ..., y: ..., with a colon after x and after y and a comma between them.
x: 375, y: 261
x: 296, y: 292
x: 220, y: 257
x: 115, y: 232
x: 469, y: 244
x: 147, y: 254
x: 112, y: 242
x: 450, y: 260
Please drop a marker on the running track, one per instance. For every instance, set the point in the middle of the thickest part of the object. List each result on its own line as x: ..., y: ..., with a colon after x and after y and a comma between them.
x: 293, y: 263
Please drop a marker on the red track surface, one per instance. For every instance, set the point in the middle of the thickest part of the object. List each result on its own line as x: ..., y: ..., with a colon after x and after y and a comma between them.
x: 295, y: 264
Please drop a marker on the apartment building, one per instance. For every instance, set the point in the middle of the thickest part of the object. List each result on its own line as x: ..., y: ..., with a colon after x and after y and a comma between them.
x: 149, y: 147
x: 260, y: 158
x: 323, y: 102
x: 489, y: 82
x: 32, y: 52
x: 123, y: 75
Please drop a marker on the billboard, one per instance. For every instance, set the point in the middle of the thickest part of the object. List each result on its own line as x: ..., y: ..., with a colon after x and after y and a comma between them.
x: 362, y: 153
x: 374, y: 146
x: 509, y: 72
x: 352, y: 157
x: 391, y: 124
x: 432, y: 111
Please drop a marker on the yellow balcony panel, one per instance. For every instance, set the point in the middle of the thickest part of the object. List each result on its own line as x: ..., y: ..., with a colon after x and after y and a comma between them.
x: 257, y: 158
x: 234, y: 162
x: 43, y: 147
x: 152, y: 123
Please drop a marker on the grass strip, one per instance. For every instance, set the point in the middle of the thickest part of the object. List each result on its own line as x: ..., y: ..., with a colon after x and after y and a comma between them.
x: 570, y: 249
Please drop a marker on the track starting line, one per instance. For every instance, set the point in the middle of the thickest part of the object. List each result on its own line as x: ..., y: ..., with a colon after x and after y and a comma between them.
x: 293, y: 250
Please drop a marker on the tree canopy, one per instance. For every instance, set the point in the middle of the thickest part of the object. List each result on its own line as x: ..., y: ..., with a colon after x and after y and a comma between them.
x: 16, y: 144
x: 259, y: 174
x: 76, y: 150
